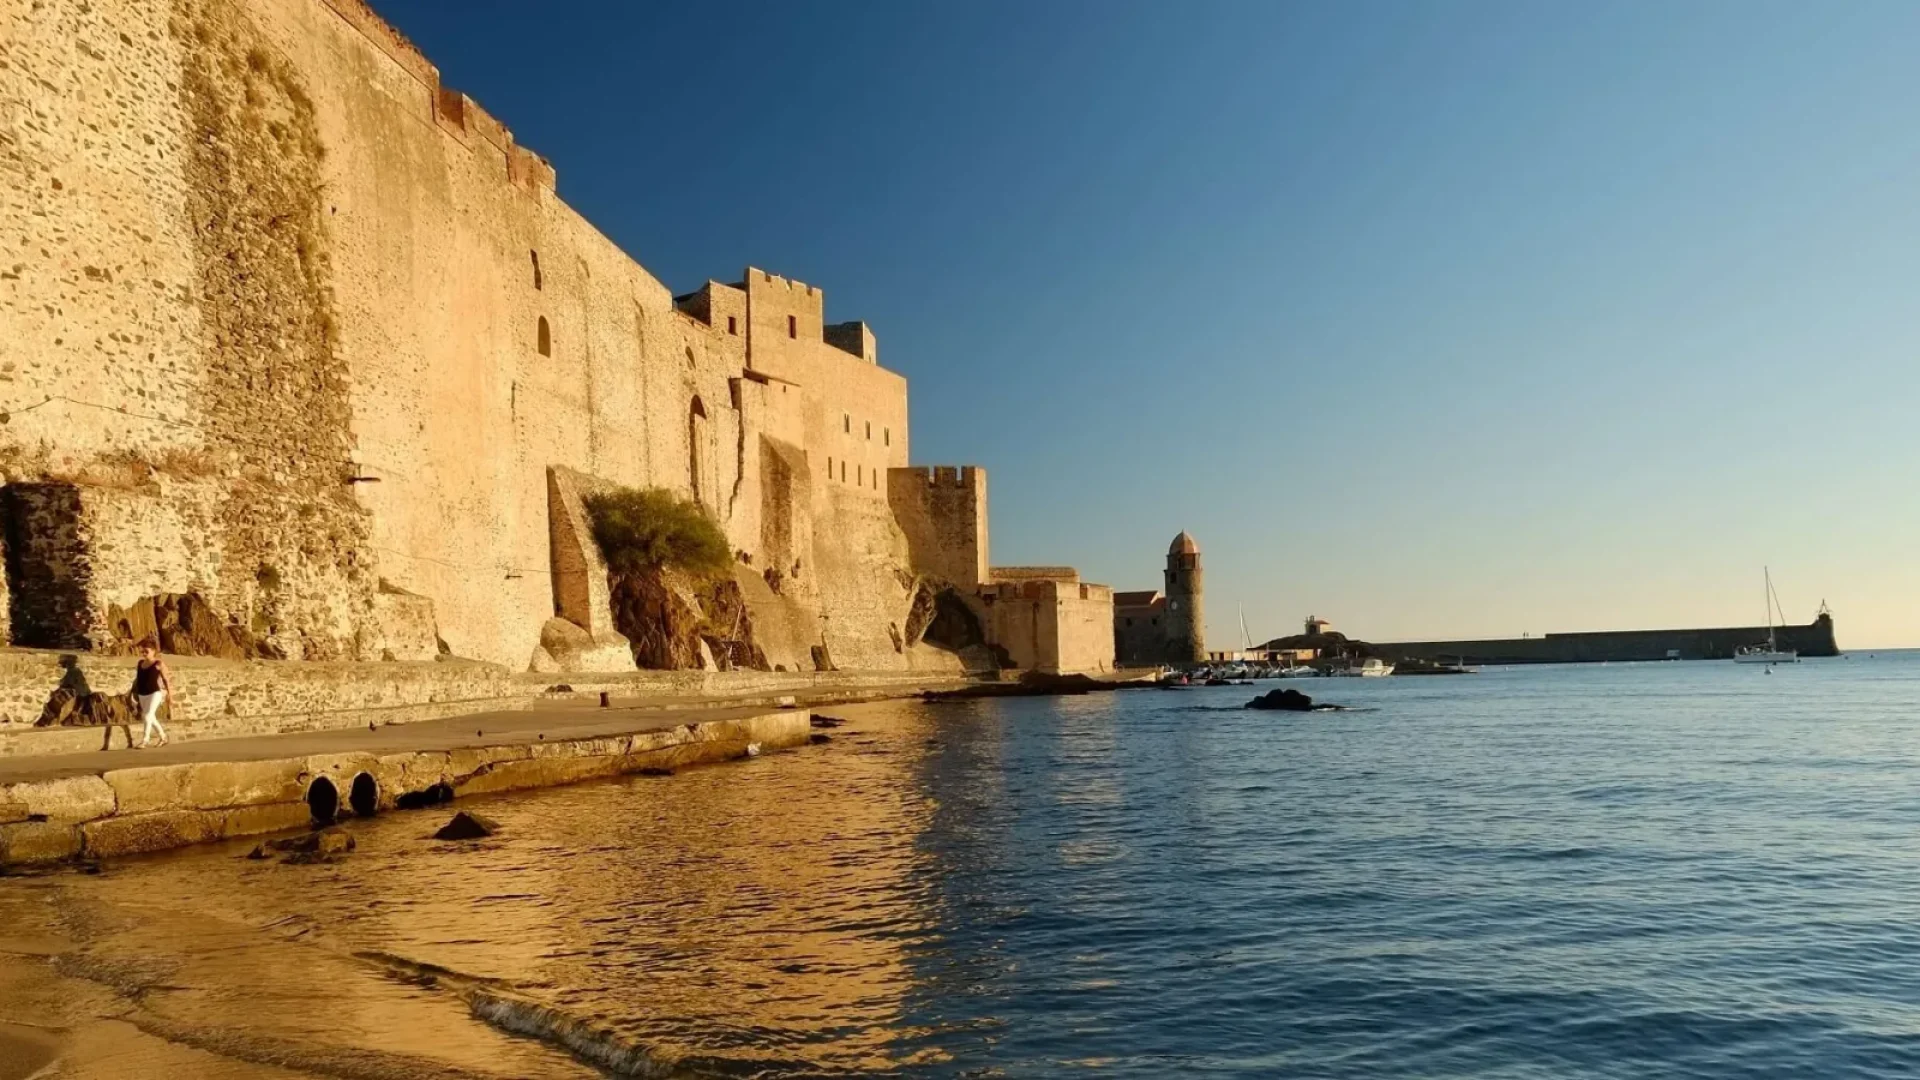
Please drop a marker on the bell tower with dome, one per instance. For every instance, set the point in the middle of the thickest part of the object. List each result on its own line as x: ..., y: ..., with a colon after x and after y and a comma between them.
x: 1153, y: 627
x: 1185, y: 630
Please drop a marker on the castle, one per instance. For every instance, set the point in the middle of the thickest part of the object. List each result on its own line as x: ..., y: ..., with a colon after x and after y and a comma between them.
x: 1152, y: 627
x: 295, y: 330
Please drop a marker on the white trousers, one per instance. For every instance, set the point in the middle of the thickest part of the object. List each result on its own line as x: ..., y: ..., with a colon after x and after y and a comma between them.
x: 150, y: 716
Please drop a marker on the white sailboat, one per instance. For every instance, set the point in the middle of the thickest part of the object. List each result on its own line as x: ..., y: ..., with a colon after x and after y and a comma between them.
x: 1771, y: 652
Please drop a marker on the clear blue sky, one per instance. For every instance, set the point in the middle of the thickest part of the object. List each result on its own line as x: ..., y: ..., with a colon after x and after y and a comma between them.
x: 1432, y: 319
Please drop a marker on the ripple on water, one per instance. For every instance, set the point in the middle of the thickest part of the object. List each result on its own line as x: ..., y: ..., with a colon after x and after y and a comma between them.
x: 1631, y: 871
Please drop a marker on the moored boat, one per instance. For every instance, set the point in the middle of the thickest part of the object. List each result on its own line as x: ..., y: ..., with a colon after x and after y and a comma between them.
x: 1770, y: 652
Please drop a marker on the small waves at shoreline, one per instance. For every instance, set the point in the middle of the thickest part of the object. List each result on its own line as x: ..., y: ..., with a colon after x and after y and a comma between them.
x: 587, y: 1041
x: 502, y: 1006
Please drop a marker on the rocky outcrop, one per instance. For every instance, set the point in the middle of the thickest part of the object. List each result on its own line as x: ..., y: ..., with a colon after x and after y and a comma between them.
x: 676, y: 624
x: 920, y: 613
x: 185, y: 625
x: 659, y: 612
x: 940, y: 616
x: 729, y: 631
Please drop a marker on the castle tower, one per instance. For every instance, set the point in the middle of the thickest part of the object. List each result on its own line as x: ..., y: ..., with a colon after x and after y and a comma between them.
x: 1186, y: 626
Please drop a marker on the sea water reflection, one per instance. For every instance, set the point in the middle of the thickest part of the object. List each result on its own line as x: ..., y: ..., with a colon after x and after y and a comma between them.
x: 1674, y: 870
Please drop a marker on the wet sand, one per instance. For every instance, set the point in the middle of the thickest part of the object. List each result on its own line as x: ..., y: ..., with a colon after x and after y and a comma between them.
x: 174, y: 987
x: 24, y: 1050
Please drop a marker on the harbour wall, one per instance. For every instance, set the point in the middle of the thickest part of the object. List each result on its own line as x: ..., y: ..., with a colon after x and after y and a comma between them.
x: 109, y: 812
x: 1615, y: 646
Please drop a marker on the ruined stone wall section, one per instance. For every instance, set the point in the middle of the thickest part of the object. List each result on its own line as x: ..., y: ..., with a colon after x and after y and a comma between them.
x: 580, y: 585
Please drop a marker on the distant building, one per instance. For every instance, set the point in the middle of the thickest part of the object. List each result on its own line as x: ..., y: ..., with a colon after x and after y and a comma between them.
x: 1164, y: 627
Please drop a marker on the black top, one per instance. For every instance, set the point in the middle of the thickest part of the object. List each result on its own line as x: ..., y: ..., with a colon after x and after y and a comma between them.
x: 146, y: 678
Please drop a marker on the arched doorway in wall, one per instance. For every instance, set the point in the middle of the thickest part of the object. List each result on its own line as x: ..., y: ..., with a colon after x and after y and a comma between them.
x: 697, y: 449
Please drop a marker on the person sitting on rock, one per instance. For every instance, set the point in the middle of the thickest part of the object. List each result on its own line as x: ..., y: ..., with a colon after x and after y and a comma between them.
x: 151, y: 687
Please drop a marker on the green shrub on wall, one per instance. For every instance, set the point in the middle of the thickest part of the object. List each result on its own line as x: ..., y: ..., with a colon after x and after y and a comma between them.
x: 651, y: 529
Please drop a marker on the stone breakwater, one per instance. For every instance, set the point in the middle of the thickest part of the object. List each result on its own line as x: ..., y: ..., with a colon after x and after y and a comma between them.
x: 67, y: 811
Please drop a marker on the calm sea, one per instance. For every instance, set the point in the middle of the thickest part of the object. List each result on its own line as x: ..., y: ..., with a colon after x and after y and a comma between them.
x: 1645, y: 870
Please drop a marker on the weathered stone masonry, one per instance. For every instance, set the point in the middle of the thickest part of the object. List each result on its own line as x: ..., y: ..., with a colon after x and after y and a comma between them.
x: 289, y: 326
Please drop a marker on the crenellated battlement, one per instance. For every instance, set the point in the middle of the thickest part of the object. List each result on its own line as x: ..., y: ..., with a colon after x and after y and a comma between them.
x: 1060, y: 574
x: 388, y: 40
x: 938, y: 476
x: 775, y: 281
x: 453, y: 112
x: 464, y: 119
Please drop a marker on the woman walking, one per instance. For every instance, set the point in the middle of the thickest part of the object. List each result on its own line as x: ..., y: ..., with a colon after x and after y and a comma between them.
x: 151, y: 684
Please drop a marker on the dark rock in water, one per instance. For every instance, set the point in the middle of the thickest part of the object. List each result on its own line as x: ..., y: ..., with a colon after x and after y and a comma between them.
x: 1288, y: 700
x: 431, y: 795
x: 324, y: 842
x: 654, y: 770
x: 467, y: 826
x: 818, y: 739
x: 826, y: 721
x: 308, y: 848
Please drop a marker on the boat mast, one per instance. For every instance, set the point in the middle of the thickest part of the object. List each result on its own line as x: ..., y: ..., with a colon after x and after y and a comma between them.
x: 1766, y: 574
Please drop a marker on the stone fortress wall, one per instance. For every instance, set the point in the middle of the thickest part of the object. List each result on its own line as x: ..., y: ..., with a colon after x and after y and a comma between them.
x: 292, y: 326
x: 1043, y: 618
x: 944, y: 515
x: 1047, y: 619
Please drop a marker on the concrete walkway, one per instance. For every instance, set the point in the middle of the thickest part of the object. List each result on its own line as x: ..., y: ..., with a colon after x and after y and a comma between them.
x: 555, y: 720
